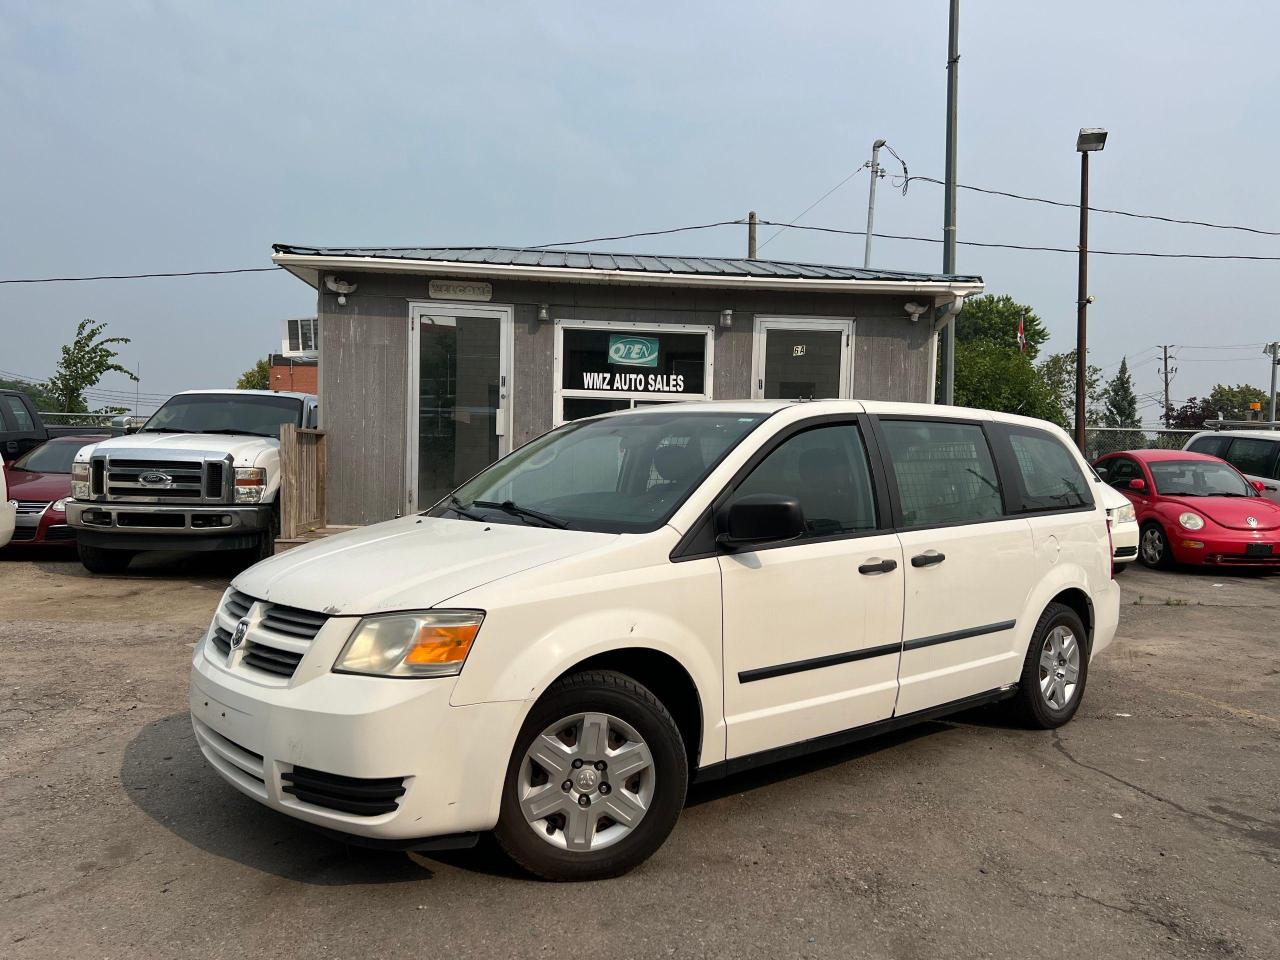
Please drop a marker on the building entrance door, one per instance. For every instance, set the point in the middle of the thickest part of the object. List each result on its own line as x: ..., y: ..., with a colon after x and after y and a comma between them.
x: 459, y: 390
x: 802, y: 359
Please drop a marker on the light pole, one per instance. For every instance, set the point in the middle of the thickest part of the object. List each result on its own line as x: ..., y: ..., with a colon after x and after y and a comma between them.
x: 1273, y: 351
x: 1090, y: 139
x: 871, y: 202
x: 949, y: 197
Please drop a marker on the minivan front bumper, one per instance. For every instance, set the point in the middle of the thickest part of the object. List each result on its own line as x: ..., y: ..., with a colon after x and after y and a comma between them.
x: 310, y: 747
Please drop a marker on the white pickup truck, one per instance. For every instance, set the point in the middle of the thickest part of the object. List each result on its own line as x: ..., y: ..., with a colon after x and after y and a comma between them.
x: 202, y: 474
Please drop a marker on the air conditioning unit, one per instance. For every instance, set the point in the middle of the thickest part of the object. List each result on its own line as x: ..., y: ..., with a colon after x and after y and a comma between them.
x: 301, y: 337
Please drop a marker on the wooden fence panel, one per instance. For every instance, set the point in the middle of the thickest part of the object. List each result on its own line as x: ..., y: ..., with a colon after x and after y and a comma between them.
x: 302, y: 481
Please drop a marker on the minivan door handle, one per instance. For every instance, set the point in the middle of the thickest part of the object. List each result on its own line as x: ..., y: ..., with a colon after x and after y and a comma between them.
x: 878, y: 566
x: 928, y: 558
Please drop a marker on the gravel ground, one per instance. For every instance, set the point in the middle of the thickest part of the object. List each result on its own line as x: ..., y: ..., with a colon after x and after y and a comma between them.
x: 1147, y: 827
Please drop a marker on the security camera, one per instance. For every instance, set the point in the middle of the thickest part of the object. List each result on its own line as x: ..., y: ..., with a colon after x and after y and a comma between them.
x: 340, y: 287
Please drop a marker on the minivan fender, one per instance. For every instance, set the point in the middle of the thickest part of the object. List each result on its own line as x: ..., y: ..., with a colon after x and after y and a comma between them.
x: 1057, y: 580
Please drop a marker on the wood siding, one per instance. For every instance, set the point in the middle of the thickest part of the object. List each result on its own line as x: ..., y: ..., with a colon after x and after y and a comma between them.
x: 364, y: 362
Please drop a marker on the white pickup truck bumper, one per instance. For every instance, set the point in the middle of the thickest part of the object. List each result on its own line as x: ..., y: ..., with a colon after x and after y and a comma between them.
x: 150, y: 526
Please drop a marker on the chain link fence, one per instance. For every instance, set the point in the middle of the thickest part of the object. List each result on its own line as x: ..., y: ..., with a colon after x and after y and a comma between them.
x: 1100, y: 441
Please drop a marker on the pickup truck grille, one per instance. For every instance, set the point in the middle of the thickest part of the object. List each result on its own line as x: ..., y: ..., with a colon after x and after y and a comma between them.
x: 132, y: 480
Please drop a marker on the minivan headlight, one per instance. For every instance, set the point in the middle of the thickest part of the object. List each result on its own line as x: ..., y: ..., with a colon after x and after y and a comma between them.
x: 433, y: 643
x: 1125, y: 514
x: 1192, y: 521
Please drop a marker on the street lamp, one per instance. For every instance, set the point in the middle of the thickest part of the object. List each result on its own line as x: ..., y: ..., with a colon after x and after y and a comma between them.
x: 1089, y: 140
x: 1273, y: 351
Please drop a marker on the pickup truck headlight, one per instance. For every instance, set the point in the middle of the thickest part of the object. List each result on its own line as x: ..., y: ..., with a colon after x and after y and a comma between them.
x: 434, y: 643
x: 80, y: 481
x: 1192, y: 521
x: 250, y: 484
x: 1125, y: 514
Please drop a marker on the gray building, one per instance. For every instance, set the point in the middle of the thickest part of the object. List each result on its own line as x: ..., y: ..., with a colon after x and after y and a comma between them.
x: 435, y: 362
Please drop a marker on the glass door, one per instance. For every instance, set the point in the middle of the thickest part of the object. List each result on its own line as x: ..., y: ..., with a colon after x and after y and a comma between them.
x: 801, y: 359
x: 458, y: 397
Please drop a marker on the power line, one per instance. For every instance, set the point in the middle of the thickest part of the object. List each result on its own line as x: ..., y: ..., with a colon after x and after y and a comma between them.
x: 145, y: 276
x: 1118, y: 213
x: 1042, y: 249
x: 645, y: 233
x: 825, y: 195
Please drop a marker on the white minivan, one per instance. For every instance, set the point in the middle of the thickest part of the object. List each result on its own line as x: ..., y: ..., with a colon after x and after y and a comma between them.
x: 640, y: 600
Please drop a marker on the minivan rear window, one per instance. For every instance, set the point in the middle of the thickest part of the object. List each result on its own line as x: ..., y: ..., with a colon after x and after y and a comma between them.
x: 1048, y: 475
x: 943, y: 472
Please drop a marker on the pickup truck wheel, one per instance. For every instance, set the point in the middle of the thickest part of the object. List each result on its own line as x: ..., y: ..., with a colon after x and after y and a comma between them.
x: 596, y: 780
x: 1054, y: 672
x: 100, y: 560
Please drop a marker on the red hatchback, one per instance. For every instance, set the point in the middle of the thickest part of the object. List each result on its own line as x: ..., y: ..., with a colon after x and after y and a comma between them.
x: 40, y: 480
x: 1193, y: 508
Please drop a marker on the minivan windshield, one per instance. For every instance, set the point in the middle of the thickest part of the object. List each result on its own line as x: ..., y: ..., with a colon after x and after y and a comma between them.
x: 620, y: 474
x: 1198, y: 478
x: 235, y: 413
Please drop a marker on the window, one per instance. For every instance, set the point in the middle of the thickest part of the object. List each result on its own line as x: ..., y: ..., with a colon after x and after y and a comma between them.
x: 1118, y: 471
x: 623, y: 474
x: 253, y: 414
x: 1214, y: 446
x: 1198, y: 478
x: 1253, y: 456
x: 56, y: 456
x: 826, y: 469
x: 301, y: 335
x: 1048, y: 475
x: 21, y: 416
x: 943, y: 472
x: 603, y: 366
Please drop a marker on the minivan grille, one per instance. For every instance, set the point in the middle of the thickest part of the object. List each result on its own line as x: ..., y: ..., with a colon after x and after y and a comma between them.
x: 237, y: 604
x: 271, y: 659
x: 292, y: 622
x: 357, y: 795
x: 277, y: 639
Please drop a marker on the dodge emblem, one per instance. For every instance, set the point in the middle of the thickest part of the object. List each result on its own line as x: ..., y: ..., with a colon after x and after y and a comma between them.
x: 1251, y: 521
x: 237, y: 638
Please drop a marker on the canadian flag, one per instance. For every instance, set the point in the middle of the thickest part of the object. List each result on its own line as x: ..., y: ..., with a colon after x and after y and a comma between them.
x: 1022, y: 337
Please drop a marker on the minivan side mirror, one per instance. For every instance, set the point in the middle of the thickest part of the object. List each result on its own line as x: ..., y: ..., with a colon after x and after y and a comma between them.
x: 1137, y: 484
x: 761, y: 518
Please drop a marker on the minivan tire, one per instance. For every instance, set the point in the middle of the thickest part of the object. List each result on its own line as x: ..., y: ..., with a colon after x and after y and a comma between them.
x: 1156, y: 532
x: 617, y: 695
x: 1032, y: 707
x: 101, y: 560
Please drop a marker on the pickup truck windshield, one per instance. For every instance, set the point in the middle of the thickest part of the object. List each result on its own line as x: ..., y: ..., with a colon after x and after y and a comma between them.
x: 622, y: 474
x: 236, y: 413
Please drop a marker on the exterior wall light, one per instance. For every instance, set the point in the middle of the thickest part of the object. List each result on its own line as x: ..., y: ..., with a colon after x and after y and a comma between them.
x: 544, y: 314
x: 726, y: 318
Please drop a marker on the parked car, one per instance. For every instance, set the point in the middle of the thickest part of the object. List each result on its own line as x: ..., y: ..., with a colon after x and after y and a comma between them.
x: 8, y: 509
x: 1196, y: 509
x: 638, y: 600
x: 39, y: 484
x: 22, y: 429
x: 1255, y: 453
x: 1124, y: 525
x: 202, y: 474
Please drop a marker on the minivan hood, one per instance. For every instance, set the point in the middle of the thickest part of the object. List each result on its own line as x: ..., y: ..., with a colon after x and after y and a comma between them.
x: 244, y: 448
x: 407, y: 564
x: 1233, y: 512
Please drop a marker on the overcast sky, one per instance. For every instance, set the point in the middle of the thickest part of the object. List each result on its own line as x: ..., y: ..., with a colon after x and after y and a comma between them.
x: 146, y: 137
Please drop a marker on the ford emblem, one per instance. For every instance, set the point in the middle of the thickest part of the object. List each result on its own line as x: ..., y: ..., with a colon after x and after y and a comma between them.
x: 155, y: 479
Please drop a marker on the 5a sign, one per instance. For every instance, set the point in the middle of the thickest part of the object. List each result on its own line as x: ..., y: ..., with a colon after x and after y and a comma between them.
x: 633, y: 351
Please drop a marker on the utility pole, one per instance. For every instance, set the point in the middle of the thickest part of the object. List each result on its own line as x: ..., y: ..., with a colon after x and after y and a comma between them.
x: 1167, y: 373
x: 1090, y: 140
x: 876, y: 174
x: 751, y: 235
x: 1273, y: 351
x: 949, y: 196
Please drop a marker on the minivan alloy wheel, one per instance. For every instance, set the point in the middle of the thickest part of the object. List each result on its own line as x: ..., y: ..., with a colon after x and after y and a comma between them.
x: 1059, y: 667
x: 586, y: 782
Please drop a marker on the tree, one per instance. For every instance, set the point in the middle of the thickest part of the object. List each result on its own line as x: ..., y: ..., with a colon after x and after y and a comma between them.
x: 1119, y: 402
x: 1234, y: 402
x: 990, y: 376
x: 39, y: 396
x: 84, y: 361
x: 996, y: 319
x: 1191, y: 415
x: 1058, y: 372
x: 257, y: 377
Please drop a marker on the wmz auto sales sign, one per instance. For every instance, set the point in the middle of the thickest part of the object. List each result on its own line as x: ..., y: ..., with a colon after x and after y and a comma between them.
x: 634, y: 382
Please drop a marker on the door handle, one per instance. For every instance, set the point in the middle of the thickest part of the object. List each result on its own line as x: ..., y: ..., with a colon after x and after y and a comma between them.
x: 878, y: 566
x: 928, y: 558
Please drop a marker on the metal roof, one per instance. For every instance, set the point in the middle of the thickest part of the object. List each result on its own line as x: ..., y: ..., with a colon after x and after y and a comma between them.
x: 640, y: 264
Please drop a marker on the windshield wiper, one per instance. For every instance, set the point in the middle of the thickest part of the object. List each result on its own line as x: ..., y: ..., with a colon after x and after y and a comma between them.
x: 236, y: 433
x: 513, y: 508
x: 462, y: 510
x: 164, y: 430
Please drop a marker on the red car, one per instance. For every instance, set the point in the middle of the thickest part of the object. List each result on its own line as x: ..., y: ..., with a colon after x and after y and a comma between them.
x: 40, y: 480
x: 1193, y: 508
